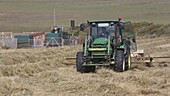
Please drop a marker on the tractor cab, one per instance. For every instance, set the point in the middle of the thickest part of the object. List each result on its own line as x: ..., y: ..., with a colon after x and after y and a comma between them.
x: 99, y: 29
x: 100, y: 32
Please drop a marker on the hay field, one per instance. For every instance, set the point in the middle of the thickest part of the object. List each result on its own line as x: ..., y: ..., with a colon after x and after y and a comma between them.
x: 37, y: 15
x: 20, y: 67
x: 45, y: 72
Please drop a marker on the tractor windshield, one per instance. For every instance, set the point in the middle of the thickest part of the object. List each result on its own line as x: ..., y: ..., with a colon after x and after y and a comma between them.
x: 101, y: 30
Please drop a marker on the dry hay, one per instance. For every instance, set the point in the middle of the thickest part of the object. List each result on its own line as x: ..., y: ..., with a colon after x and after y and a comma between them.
x: 66, y: 82
x: 104, y: 82
x: 17, y: 64
x: 44, y: 74
x: 30, y: 61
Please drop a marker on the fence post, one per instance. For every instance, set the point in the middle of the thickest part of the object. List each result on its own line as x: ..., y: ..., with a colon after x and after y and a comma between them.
x: 62, y: 41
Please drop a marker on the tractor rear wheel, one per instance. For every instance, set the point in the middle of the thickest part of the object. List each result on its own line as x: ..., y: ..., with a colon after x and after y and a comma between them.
x: 127, y: 60
x: 79, y: 64
x: 119, y: 65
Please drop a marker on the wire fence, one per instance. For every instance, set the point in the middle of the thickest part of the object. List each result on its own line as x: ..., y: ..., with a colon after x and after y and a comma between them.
x: 53, y: 42
x: 7, y: 40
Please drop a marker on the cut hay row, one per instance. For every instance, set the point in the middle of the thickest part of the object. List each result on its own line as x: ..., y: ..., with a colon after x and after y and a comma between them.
x: 104, y: 82
x: 31, y: 61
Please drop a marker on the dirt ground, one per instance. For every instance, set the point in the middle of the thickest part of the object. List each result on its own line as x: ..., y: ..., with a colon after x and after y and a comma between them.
x: 44, y: 72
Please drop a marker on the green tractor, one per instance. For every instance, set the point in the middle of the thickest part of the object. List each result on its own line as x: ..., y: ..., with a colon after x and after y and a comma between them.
x: 108, y: 43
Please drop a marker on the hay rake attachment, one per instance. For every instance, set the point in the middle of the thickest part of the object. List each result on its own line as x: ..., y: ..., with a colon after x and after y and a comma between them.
x: 139, y: 57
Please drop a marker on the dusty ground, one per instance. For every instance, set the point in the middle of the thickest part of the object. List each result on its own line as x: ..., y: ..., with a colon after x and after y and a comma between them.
x: 42, y: 72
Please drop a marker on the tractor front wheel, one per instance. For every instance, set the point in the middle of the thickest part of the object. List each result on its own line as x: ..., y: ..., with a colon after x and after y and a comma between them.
x: 119, y: 65
x: 79, y: 64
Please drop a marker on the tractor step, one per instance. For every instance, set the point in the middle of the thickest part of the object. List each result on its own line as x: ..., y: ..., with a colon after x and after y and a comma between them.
x: 96, y: 64
x: 95, y: 57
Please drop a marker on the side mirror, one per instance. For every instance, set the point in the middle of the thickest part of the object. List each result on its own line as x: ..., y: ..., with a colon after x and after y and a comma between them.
x: 82, y: 27
x: 121, y: 25
x: 134, y: 40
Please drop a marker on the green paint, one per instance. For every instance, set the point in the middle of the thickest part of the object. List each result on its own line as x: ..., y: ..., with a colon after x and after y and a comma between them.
x: 101, y: 41
x: 122, y: 46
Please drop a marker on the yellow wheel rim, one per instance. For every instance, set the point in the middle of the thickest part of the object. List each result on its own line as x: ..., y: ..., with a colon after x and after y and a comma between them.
x: 129, y: 61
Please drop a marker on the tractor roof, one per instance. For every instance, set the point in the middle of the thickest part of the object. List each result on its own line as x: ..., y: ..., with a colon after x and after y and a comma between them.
x: 102, y: 21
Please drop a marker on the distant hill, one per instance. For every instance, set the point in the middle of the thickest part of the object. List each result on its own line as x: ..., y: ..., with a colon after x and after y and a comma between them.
x: 151, y: 30
x: 37, y: 15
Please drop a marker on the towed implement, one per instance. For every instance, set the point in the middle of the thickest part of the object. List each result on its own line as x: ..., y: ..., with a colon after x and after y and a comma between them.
x: 108, y: 43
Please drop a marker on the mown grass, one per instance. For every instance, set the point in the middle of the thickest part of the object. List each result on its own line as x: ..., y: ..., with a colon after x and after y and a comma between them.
x: 33, y: 15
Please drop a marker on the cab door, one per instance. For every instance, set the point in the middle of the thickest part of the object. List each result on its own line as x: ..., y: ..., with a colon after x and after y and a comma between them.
x: 129, y: 34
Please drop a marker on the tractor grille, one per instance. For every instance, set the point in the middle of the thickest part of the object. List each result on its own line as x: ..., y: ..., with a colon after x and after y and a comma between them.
x: 98, y: 53
x: 99, y: 46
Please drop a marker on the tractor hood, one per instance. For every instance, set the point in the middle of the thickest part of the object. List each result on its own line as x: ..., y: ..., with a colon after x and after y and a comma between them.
x: 100, y: 41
